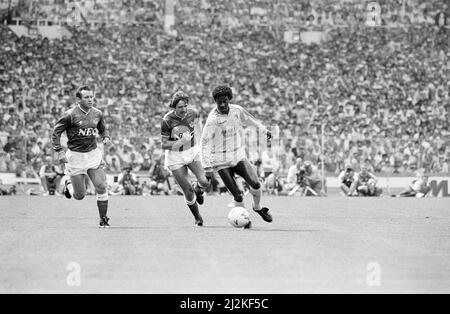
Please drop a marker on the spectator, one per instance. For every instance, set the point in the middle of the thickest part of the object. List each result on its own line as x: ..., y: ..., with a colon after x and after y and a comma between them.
x: 389, y: 85
x: 418, y: 188
x: 269, y: 163
x: 13, y: 162
x: 291, y: 180
x: 113, y: 161
x: 10, y: 146
x: 313, y: 179
x: 126, y: 156
x: 348, y: 180
x: 4, y: 160
x: 4, y: 190
x: 159, y: 179
x: 365, y: 184
x: 50, y: 177
x: 128, y: 181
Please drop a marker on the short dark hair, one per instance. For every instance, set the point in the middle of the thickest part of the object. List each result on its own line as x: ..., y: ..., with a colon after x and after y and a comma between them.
x: 80, y: 89
x: 222, y: 90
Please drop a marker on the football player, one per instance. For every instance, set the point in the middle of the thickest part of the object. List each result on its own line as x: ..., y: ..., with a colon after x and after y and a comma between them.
x: 178, y: 132
x: 223, y: 148
x: 83, y: 124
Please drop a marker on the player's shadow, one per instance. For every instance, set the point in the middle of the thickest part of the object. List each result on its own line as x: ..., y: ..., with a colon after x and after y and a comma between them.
x: 285, y: 230
x: 221, y: 228
x: 137, y: 228
x: 263, y: 230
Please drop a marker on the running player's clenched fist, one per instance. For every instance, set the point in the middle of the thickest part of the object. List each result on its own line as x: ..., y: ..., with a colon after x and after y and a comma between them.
x: 62, y: 157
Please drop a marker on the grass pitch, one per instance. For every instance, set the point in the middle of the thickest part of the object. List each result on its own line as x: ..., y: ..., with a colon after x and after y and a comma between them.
x: 314, y: 245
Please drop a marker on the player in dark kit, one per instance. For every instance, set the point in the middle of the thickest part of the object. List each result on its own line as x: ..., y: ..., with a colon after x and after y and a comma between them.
x: 179, y: 130
x: 83, y: 123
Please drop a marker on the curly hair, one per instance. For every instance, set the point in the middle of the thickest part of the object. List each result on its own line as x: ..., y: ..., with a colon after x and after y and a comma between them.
x: 222, y: 91
x: 180, y: 95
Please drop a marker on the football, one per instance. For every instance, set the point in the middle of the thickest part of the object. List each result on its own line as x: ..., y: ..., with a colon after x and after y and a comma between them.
x: 239, y: 217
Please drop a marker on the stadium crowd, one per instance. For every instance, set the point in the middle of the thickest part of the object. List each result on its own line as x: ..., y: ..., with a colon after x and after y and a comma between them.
x: 304, y: 14
x: 382, y: 94
x: 107, y: 11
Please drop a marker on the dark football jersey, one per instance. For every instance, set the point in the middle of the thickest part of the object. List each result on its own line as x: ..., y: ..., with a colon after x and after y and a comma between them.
x: 82, y: 129
x: 174, y: 127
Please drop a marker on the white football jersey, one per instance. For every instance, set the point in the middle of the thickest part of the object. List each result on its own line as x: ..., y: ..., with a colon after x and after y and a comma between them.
x: 223, y: 140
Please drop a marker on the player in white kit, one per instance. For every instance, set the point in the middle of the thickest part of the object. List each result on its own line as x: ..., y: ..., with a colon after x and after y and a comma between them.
x: 223, y: 148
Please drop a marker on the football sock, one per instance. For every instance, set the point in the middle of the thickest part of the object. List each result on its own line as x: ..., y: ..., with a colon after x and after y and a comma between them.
x: 102, y: 203
x: 193, y: 206
x: 70, y: 187
x: 257, y: 194
x: 194, y: 210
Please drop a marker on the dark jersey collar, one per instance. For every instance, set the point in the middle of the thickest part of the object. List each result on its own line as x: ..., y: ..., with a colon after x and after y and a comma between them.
x: 79, y: 107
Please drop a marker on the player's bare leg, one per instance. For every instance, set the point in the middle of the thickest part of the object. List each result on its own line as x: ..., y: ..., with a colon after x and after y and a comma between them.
x: 181, y: 176
x: 227, y: 176
x: 202, y: 183
x: 248, y: 173
x: 345, y: 189
x: 98, y: 178
x: 76, y: 187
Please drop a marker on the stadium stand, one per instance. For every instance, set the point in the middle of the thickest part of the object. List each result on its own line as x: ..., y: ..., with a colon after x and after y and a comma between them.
x: 382, y: 94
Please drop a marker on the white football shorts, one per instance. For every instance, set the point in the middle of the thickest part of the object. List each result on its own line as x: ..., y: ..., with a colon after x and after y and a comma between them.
x: 176, y: 160
x: 80, y: 163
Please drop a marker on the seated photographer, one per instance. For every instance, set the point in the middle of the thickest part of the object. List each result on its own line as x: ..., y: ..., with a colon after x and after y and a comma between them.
x: 158, y: 179
x: 4, y: 190
x: 366, y: 183
x: 115, y: 188
x: 114, y: 165
x: 129, y: 182
x: 309, y: 181
x: 50, y: 176
x: 419, y: 187
x: 348, y: 180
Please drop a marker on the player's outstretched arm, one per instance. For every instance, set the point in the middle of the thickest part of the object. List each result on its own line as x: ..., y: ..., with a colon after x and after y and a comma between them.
x: 61, y: 126
x: 207, y: 143
x: 249, y: 120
